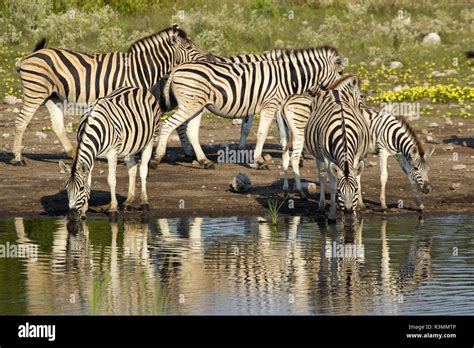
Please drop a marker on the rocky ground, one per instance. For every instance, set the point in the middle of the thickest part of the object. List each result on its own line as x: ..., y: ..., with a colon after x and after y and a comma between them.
x: 178, y: 188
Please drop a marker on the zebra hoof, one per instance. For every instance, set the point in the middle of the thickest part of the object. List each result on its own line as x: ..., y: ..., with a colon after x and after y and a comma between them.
x: 153, y: 164
x: 303, y: 195
x: 332, y: 221
x: 206, y: 164
x: 113, y: 216
x: 18, y: 163
x: 145, y: 207
x: 128, y: 207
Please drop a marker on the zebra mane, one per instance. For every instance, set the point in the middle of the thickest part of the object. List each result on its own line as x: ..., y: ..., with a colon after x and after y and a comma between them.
x: 160, y: 34
x: 279, y: 52
x: 412, y: 133
x: 336, y: 83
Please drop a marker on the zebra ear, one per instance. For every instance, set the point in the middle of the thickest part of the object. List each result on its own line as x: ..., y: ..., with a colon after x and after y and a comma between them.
x: 64, y: 168
x: 360, y: 167
x: 335, y: 170
x: 429, y: 152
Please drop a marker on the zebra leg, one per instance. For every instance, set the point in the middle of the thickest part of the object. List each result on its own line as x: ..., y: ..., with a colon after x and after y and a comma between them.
x: 193, y: 136
x: 21, y: 122
x: 383, y: 180
x: 57, y: 123
x: 111, y: 180
x: 266, y: 118
x: 245, y: 130
x: 188, y: 149
x: 359, y: 194
x: 132, y: 174
x: 322, y: 185
x: 285, y: 159
x: 295, y: 161
x: 332, y: 210
x: 146, y: 155
x: 418, y: 201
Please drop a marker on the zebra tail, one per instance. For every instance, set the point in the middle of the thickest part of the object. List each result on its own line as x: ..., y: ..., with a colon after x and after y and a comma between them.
x: 285, y: 131
x: 164, y: 94
x: 41, y: 44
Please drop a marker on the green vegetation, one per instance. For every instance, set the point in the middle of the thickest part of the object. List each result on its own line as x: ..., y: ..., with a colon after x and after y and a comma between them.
x: 274, y: 207
x: 370, y: 34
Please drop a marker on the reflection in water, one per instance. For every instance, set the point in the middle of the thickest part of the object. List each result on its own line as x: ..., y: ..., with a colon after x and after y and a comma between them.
x: 239, y: 266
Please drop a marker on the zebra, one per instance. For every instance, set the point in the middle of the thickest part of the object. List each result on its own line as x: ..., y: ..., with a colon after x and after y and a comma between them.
x: 389, y: 136
x: 52, y: 75
x: 237, y: 90
x: 338, y: 136
x: 117, y: 126
x: 393, y: 136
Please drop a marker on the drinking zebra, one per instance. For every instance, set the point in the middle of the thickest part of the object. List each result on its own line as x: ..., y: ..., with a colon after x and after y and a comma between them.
x: 118, y: 126
x: 393, y: 136
x: 237, y: 90
x: 338, y: 136
x: 52, y: 75
x: 389, y: 136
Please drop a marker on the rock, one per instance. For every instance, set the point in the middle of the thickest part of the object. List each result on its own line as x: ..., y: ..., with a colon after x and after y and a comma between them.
x: 16, y: 110
x: 396, y: 65
x: 460, y: 124
x: 448, y: 122
x: 464, y: 143
x: 436, y: 73
x: 429, y: 139
x: 449, y: 72
x: 261, y: 220
x: 56, y: 142
x: 41, y: 135
x: 11, y: 100
x: 371, y: 164
x: 311, y: 188
x: 236, y: 121
x: 424, y: 131
x: 6, y: 135
x: 241, y: 183
x: 397, y: 88
x: 449, y: 147
x: 375, y: 62
x: 455, y: 185
x: 433, y: 125
x: 458, y: 167
x: 267, y: 157
x: 432, y: 39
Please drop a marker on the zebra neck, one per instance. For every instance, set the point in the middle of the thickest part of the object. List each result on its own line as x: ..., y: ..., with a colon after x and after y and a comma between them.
x: 146, y: 68
x: 87, y: 151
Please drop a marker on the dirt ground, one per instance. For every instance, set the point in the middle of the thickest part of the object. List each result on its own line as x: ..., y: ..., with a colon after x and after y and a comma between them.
x: 34, y: 189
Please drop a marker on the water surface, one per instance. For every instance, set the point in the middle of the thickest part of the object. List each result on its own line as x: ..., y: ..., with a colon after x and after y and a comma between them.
x: 238, y: 266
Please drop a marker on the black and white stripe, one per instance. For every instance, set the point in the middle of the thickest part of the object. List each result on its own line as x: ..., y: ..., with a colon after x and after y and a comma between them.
x: 238, y: 90
x: 338, y: 136
x: 393, y: 136
x: 118, y: 126
x: 51, y: 75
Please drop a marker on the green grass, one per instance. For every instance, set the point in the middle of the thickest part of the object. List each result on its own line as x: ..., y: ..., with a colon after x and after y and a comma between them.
x: 369, y: 34
x: 274, y: 207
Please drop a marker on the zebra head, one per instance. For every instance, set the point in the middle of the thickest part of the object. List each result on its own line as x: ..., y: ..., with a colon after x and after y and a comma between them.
x: 350, y: 90
x: 347, y: 185
x: 78, y: 188
x: 416, y: 167
x: 185, y: 50
x: 330, y: 59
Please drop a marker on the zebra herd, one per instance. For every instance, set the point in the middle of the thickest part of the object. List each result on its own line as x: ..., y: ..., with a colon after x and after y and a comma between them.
x: 314, y: 105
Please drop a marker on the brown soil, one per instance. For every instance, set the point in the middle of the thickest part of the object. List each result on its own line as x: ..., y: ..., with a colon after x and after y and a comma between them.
x: 34, y: 189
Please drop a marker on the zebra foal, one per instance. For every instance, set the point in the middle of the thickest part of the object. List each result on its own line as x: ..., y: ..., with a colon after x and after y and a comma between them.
x: 118, y: 126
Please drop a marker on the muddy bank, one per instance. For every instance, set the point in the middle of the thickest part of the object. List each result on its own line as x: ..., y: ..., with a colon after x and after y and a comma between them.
x: 178, y: 188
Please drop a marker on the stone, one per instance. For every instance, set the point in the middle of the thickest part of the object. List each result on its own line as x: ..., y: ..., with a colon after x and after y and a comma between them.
x: 436, y: 73
x: 448, y: 122
x: 424, y: 131
x: 16, y: 110
x: 267, y: 157
x: 396, y: 65
x: 311, y: 188
x: 433, y: 125
x: 449, y: 147
x: 455, y: 185
x: 237, y: 122
x: 371, y: 164
x: 41, y: 135
x: 240, y: 183
x: 450, y: 72
x: 458, y: 167
x: 432, y: 39
x: 11, y: 100
x: 6, y: 135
